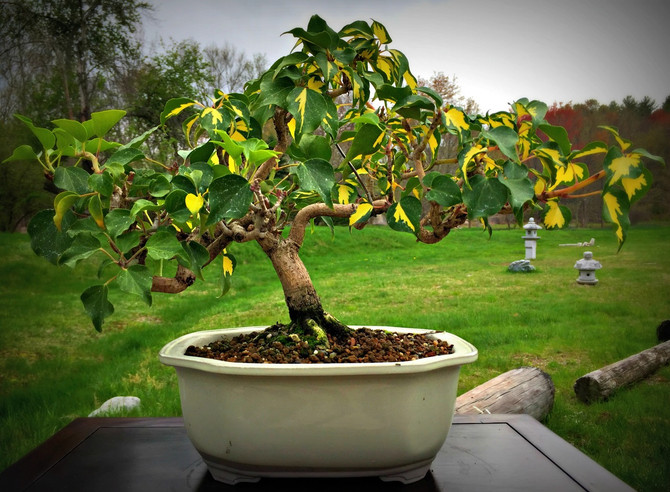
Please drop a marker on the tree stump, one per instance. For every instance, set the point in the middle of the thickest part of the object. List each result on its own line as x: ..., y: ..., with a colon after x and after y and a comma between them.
x: 601, y: 383
x: 525, y: 390
x: 663, y: 331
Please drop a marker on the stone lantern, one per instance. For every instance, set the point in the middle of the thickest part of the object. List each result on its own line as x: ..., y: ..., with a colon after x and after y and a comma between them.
x: 531, y: 238
x: 587, y: 267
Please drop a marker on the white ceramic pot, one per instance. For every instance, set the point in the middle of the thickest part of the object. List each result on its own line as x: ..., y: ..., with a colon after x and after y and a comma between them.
x: 316, y: 420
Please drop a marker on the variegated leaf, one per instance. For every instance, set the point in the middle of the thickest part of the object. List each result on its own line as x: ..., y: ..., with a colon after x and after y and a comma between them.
x: 615, y: 212
x: 555, y: 216
x: 362, y: 213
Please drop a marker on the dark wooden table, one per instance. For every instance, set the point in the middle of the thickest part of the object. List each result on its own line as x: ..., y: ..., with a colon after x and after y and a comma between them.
x: 482, y: 453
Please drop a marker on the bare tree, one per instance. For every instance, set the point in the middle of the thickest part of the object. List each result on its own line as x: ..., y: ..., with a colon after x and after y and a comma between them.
x: 231, y: 68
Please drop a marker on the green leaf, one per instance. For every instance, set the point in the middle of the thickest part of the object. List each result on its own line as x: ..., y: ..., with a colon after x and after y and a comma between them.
x: 83, y: 226
x: 405, y: 215
x: 98, y: 145
x: 646, y: 154
x: 195, y: 256
x: 74, y: 128
x: 506, y: 139
x: 485, y: 197
x: 317, y: 175
x: 72, y: 179
x: 366, y: 142
x: 102, y: 183
x: 559, y: 135
x: 125, y: 156
x: 118, y: 221
x: 515, y: 178
x: 308, y: 108
x: 96, y: 304
x: 95, y: 209
x: 62, y: 204
x: 140, y: 139
x: 444, y: 191
x: 229, y: 198
x: 45, y: 239
x: 45, y: 136
x: 159, y: 186
x: 83, y: 246
x: 310, y: 147
x: 141, y: 205
x: 103, y: 121
x: 163, y: 245
x: 137, y: 279
x: 175, y: 205
x: 22, y: 153
x: 128, y: 240
x: 274, y: 91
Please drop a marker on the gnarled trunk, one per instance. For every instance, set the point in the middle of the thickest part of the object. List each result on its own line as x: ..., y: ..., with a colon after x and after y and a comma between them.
x: 304, y: 306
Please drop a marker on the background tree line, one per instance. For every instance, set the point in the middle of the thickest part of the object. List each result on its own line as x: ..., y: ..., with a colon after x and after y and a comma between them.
x: 69, y: 58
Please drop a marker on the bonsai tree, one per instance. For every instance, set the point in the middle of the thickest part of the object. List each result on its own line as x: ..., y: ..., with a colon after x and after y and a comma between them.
x: 258, y: 166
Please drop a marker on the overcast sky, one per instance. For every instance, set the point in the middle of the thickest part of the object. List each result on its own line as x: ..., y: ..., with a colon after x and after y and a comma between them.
x: 500, y: 50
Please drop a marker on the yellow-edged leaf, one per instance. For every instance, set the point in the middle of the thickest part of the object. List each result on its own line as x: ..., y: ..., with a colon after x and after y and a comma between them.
x: 410, y: 80
x: 194, y: 202
x: 456, y: 118
x: 614, y: 209
x: 385, y: 66
x: 361, y: 211
x: 343, y: 193
x: 401, y: 216
x: 540, y: 186
x: 381, y: 33
x: 291, y: 127
x: 314, y: 84
x: 621, y: 166
x: 568, y: 174
x: 217, y: 117
x: 554, y: 216
x: 633, y: 185
x: 179, y: 109
x: 469, y: 156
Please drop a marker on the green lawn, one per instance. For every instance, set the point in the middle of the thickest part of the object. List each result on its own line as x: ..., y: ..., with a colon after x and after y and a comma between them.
x: 54, y: 367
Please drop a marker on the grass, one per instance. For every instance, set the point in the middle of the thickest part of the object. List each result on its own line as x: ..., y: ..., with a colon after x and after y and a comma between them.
x: 54, y: 367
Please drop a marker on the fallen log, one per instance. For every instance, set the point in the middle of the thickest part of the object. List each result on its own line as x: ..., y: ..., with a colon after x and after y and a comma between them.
x: 525, y: 390
x: 601, y: 383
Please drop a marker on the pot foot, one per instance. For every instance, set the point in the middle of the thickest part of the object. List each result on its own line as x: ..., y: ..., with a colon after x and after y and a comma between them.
x: 229, y: 476
x: 407, y: 476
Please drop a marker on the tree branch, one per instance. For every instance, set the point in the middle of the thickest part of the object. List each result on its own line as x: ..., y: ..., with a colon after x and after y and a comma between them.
x: 182, y: 280
x: 302, y: 218
x: 565, y: 192
x: 280, y: 119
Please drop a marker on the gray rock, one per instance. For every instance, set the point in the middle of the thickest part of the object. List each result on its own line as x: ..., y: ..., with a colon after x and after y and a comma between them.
x: 116, y: 405
x: 520, y: 266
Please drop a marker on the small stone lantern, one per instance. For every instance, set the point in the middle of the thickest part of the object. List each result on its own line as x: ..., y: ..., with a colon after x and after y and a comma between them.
x: 531, y: 238
x: 587, y: 267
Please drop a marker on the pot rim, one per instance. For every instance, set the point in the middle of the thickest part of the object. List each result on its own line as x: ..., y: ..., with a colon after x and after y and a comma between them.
x: 172, y: 354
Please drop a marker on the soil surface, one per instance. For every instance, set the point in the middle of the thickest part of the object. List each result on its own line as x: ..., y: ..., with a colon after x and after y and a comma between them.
x: 272, y: 346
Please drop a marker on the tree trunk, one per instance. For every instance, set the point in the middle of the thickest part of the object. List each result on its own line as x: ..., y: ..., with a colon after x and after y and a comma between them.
x: 304, y: 306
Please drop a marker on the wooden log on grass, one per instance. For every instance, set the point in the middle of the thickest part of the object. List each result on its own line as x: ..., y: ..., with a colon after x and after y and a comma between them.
x: 601, y: 383
x: 525, y: 390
